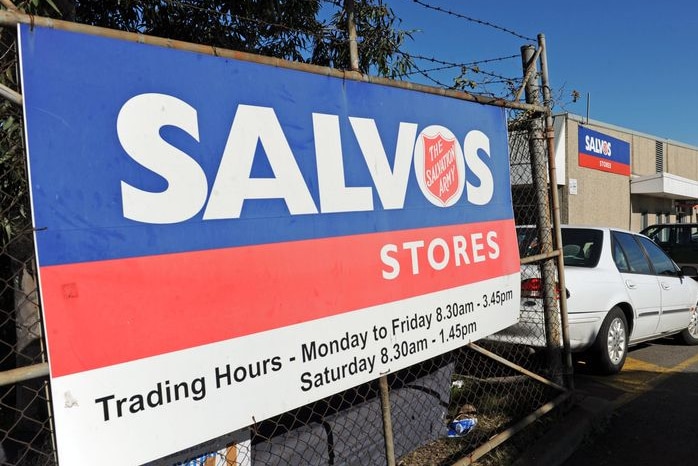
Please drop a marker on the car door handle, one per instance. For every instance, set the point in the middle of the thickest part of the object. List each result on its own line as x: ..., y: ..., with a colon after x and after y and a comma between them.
x: 666, y: 286
x: 630, y: 284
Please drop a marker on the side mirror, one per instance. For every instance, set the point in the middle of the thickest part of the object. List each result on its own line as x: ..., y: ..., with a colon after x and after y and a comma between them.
x: 689, y: 271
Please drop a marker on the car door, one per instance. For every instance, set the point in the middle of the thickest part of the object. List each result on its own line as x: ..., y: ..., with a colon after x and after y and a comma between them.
x: 684, y: 249
x: 640, y: 282
x: 675, y: 296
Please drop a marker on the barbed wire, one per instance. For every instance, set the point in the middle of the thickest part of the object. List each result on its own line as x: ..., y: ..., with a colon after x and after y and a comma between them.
x: 472, y: 66
x: 429, y: 77
x: 461, y: 83
x: 472, y: 63
x: 473, y: 20
x: 428, y: 73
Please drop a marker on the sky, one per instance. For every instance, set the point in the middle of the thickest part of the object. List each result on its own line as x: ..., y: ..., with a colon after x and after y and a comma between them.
x: 634, y: 63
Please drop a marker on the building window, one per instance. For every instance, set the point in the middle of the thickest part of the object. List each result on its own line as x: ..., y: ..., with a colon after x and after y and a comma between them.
x: 644, y: 220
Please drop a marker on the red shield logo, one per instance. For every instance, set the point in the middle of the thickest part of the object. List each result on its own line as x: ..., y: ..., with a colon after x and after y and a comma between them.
x: 440, y: 175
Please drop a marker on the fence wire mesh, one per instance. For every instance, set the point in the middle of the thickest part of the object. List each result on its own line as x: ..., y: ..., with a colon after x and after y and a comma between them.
x: 486, y: 394
x: 25, y: 427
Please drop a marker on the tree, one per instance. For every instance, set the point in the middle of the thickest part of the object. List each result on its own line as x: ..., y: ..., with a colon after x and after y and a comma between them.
x: 289, y: 29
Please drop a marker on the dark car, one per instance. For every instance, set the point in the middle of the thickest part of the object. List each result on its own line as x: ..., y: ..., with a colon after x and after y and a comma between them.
x: 679, y: 241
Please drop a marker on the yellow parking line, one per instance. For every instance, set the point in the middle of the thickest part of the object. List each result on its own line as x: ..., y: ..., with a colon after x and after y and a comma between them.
x: 634, y: 377
x: 632, y: 364
x: 634, y: 386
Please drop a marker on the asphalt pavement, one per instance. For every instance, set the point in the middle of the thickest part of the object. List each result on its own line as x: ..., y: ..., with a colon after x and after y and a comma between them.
x: 645, y: 415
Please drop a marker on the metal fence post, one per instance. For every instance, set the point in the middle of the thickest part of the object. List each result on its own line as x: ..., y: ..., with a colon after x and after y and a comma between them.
x: 387, y: 421
x: 552, y: 174
x: 351, y: 25
x: 540, y: 184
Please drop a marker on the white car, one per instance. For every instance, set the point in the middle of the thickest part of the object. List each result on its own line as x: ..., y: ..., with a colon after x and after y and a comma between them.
x: 622, y: 290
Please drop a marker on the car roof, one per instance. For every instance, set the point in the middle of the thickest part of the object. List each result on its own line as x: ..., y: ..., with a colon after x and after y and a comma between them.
x: 593, y: 227
x: 603, y: 228
x: 672, y: 225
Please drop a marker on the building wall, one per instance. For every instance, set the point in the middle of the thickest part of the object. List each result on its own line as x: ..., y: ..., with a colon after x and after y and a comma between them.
x: 682, y: 161
x: 643, y: 155
x: 604, y: 198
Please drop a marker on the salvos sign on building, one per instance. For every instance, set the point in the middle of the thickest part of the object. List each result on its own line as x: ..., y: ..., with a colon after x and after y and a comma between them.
x: 602, y: 152
x: 221, y: 241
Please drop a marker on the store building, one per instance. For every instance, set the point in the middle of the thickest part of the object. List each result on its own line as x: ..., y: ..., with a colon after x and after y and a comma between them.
x: 612, y: 176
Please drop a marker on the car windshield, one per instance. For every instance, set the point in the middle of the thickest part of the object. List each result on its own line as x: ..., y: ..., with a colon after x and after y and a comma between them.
x: 581, y: 247
x: 657, y: 233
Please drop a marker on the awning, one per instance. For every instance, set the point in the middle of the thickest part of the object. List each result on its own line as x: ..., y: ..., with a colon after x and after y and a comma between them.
x: 665, y: 185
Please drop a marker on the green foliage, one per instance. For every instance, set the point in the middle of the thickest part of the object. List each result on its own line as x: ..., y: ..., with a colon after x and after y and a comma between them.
x: 462, y: 82
x: 288, y: 29
x: 378, y: 41
x: 268, y: 27
x: 13, y: 185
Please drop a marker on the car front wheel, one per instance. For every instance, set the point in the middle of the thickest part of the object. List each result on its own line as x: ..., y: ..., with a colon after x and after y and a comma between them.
x: 611, y: 345
x: 690, y: 334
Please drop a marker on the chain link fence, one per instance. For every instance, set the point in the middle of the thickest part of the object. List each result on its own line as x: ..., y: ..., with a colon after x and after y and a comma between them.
x: 25, y: 425
x: 494, y: 387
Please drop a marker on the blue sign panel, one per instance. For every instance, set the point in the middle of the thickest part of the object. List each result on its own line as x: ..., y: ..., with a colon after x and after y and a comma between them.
x: 210, y: 229
x: 602, y: 152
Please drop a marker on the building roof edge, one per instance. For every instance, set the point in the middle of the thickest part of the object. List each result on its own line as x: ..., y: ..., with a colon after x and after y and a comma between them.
x: 583, y: 120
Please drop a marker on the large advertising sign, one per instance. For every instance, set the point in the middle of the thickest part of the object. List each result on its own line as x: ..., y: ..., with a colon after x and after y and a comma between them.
x: 602, y: 152
x: 220, y: 241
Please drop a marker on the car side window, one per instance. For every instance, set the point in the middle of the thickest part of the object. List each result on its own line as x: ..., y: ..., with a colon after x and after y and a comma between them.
x: 660, y: 261
x: 683, y: 235
x: 619, y: 258
x: 636, y: 260
x: 686, y: 235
